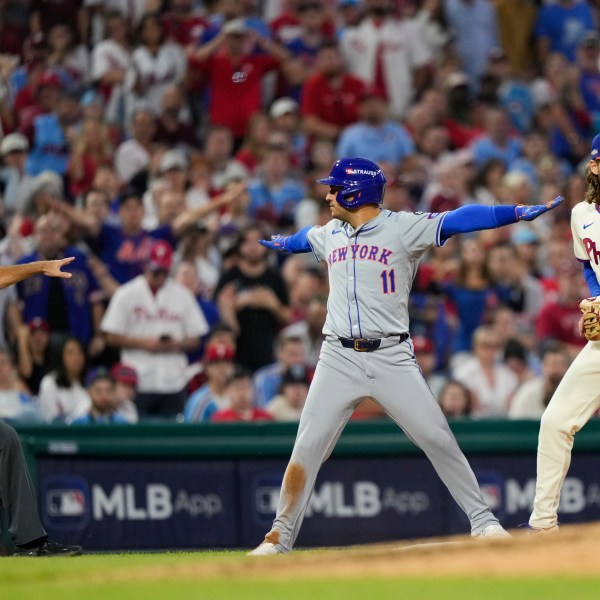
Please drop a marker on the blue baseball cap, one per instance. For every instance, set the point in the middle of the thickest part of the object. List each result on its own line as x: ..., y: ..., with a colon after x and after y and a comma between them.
x: 595, y: 153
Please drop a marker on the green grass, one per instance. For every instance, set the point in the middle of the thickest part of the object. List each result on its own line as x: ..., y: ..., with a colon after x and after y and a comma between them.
x: 230, y: 575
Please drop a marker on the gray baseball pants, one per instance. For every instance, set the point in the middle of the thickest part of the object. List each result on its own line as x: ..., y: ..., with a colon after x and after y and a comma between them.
x: 392, y: 377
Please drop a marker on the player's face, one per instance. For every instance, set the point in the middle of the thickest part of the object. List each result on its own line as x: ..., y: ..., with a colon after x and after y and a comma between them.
x: 337, y: 211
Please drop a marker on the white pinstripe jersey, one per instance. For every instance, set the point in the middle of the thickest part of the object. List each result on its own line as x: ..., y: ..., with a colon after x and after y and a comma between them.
x: 371, y: 270
x: 585, y: 227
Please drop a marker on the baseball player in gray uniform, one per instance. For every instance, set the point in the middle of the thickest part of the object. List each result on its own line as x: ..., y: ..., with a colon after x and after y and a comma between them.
x: 372, y: 256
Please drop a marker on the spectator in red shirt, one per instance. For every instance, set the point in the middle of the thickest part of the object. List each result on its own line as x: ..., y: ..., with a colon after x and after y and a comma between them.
x: 239, y: 392
x: 234, y: 75
x: 558, y: 319
x: 331, y: 96
x: 182, y: 23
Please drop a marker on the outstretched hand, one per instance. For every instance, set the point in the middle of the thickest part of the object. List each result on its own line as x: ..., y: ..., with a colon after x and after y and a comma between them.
x: 276, y: 243
x: 52, y: 268
x: 529, y: 213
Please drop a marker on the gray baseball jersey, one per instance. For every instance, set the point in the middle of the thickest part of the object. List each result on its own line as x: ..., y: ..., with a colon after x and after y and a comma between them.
x: 371, y: 270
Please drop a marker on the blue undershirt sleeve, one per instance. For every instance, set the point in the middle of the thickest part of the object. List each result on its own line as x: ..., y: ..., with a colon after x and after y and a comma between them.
x: 591, y: 279
x: 475, y: 217
x: 298, y: 242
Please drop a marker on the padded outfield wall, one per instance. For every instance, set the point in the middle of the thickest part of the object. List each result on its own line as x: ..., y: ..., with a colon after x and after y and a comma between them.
x: 160, y: 486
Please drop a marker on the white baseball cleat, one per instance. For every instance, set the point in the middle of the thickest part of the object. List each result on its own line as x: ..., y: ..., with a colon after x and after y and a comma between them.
x: 265, y: 549
x: 494, y: 531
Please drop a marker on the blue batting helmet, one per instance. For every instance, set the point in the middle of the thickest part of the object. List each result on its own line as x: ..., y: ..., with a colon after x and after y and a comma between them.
x: 361, y: 180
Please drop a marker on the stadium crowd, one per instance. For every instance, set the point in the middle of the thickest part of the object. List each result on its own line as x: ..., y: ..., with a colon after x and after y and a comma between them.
x: 158, y: 141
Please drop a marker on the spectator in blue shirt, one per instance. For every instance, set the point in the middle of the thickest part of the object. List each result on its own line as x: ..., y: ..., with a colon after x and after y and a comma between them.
x: 273, y: 194
x: 210, y: 398
x: 69, y: 306
x: 104, y: 401
x: 561, y: 26
x: 496, y: 142
x: 375, y: 137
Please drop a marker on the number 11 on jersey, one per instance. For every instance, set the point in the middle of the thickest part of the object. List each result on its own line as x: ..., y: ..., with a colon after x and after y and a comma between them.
x: 388, y: 280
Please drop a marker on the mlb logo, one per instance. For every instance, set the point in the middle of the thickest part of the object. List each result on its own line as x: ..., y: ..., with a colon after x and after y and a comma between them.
x: 492, y: 494
x: 65, y: 503
x: 267, y: 498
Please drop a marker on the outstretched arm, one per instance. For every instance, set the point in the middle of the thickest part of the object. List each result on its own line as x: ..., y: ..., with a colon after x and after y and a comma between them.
x: 296, y: 243
x: 15, y: 273
x: 475, y: 217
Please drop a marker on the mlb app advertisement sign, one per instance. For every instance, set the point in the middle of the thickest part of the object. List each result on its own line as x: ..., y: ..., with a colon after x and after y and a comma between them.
x: 139, y: 504
x: 354, y: 501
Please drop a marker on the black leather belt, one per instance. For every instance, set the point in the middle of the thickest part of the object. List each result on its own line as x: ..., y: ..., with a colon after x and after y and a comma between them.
x: 368, y: 344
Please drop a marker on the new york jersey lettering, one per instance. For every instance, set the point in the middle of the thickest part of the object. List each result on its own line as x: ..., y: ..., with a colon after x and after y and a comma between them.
x: 360, y: 252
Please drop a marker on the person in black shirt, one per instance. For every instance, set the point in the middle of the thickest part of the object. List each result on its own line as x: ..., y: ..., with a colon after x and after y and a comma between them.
x: 253, y: 300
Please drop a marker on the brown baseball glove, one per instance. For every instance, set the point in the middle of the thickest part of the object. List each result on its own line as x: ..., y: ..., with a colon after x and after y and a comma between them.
x: 590, y: 307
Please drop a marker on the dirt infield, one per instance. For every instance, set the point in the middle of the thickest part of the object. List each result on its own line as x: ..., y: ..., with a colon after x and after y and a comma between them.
x: 574, y: 551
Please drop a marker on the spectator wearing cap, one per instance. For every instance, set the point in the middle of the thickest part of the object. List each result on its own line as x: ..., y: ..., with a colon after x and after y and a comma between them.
x: 104, y: 403
x: 267, y: 381
x: 374, y: 54
x: 238, y: 391
x: 285, y: 119
x: 210, y: 398
x: 34, y: 359
x: 288, y: 404
x: 330, y: 96
x: 154, y: 321
x: 376, y: 136
x: 234, y: 75
x: 560, y: 26
x: 62, y: 395
x: 15, y: 184
x: 350, y: 13
x: 426, y: 359
x: 159, y: 62
x: 15, y: 405
x: 126, y: 381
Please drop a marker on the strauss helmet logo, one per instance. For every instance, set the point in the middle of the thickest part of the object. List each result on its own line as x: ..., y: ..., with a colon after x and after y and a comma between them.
x: 351, y: 171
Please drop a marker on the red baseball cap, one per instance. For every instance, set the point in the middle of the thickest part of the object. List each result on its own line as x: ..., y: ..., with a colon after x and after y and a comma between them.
x: 218, y: 351
x: 49, y: 78
x: 38, y: 323
x: 124, y: 374
x: 422, y: 344
x: 161, y: 256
